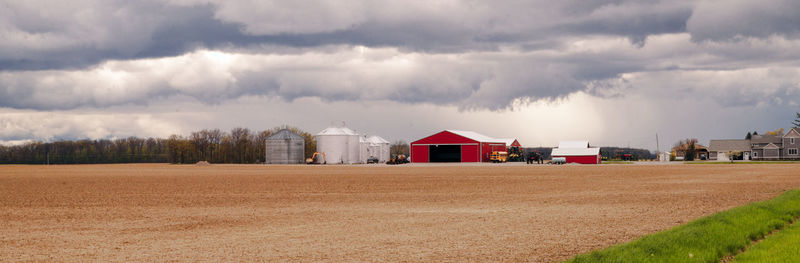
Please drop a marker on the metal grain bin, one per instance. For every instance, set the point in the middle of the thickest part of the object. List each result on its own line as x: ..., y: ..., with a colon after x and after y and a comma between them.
x: 285, y: 147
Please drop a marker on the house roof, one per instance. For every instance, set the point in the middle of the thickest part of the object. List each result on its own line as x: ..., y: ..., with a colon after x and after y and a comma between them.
x: 475, y: 136
x: 575, y: 151
x: 729, y: 145
x: 771, y: 146
x: 793, y: 132
x: 285, y: 134
x: 573, y: 144
x: 765, y: 139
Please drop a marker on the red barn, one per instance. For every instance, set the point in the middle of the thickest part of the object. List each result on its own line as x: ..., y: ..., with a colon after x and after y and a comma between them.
x: 577, y: 152
x: 455, y: 146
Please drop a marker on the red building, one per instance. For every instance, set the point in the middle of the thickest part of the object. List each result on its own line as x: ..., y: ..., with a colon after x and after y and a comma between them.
x: 577, y: 152
x: 455, y: 146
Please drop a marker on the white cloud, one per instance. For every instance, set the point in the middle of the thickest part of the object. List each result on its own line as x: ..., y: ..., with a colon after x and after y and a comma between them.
x: 21, y: 126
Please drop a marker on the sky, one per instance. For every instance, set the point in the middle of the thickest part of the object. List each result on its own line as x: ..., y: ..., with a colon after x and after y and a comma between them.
x: 615, y: 73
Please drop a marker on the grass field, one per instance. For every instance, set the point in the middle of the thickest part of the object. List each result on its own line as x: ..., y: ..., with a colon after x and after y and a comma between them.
x: 712, y: 238
x: 359, y: 213
x: 781, y: 247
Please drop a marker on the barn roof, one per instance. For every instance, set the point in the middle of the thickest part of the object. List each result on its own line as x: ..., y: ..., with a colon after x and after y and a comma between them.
x: 285, y: 134
x: 575, y: 152
x: 475, y: 136
x: 508, y: 142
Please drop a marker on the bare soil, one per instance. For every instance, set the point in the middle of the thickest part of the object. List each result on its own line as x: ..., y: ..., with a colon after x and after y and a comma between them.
x: 159, y: 212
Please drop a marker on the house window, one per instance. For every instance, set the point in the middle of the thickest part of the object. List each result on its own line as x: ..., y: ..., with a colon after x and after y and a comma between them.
x: 793, y: 151
x: 755, y: 154
x: 791, y: 140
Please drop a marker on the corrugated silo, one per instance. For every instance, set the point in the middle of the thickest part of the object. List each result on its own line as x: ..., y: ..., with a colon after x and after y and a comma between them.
x: 340, y: 145
x: 285, y: 147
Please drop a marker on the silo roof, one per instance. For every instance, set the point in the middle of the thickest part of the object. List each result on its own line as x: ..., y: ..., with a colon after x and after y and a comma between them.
x: 284, y: 134
x: 377, y: 139
x: 337, y: 131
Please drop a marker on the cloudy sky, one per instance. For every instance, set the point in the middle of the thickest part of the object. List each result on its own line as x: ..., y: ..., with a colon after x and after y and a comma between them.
x: 612, y: 72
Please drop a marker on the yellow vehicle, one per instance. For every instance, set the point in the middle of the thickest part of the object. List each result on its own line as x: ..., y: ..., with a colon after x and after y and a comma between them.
x: 499, y: 157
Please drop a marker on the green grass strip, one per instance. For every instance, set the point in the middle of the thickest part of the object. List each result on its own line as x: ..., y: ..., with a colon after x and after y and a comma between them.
x: 781, y: 247
x: 740, y: 162
x: 707, y: 239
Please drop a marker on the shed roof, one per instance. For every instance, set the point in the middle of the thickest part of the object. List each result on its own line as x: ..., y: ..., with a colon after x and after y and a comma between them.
x: 729, y: 145
x: 575, y: 152
x: 285, y: 134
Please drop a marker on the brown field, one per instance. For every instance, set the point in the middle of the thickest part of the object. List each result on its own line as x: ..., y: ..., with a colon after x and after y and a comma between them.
x: 165, y: 212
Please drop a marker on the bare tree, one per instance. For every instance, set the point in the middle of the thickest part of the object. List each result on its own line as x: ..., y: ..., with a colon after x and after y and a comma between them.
x: 399, y: 147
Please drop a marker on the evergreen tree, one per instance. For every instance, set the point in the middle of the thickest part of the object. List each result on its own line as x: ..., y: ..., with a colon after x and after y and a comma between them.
x: 749, y: 136
x: 796, y: 121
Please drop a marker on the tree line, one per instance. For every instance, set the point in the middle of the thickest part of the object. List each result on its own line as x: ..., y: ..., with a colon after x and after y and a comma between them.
x: 240, y: 145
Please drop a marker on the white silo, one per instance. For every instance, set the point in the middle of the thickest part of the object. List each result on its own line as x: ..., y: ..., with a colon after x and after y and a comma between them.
x: 381, y: 148
x: 340, y: 145
x: 364, y: 145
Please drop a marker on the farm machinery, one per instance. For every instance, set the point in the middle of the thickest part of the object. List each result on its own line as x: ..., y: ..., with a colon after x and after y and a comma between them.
x: 314, y: 157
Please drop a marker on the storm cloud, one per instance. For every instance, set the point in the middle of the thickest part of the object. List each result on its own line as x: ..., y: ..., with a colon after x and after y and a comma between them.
x: 495, y: 56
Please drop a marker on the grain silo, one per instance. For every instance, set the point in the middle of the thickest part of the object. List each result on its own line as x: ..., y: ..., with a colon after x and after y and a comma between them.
x: 379, y: 148
x: 285, y: 147
x: 364, y: 148
x: 340, y: 145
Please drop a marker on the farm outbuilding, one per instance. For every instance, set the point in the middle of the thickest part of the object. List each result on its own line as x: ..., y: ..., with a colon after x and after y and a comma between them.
x: 382, y: 149
x: 455, y: 146
x: 285, y: 147
x: 577, y: 152
x: 374, y: 147
x: 511, y: 143
x: 340, y: 145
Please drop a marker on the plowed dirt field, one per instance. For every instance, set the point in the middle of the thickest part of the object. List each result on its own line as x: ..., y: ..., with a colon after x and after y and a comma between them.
x: 159, y: 212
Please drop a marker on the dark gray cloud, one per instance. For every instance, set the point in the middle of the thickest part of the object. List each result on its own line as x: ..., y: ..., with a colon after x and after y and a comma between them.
x: 736, y: 19
x: 89, y: 32
x: 469, y: 54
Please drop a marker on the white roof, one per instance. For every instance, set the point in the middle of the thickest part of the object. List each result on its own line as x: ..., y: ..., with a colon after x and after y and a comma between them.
x: 575, y: 152
x: 377, y: 139
x: 573, y: 144
x: 475, y: 136
x: 337, y: 131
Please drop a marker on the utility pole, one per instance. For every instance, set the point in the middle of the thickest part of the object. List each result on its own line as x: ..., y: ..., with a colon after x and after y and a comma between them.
x: 658, y: 150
